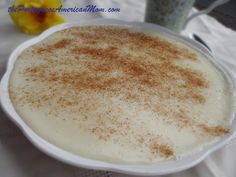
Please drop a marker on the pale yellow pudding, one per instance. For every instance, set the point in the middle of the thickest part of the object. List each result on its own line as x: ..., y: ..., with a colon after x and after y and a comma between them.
x: 119, y: 95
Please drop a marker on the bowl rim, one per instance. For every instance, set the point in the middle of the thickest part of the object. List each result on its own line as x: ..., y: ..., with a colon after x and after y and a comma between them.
x: 159, y: 168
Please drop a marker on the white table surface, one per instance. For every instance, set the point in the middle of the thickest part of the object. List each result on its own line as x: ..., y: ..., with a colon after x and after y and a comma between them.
x: 19, y: 158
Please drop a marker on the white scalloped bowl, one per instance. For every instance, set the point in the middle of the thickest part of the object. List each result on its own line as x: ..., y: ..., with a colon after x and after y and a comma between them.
x: 159, y: 168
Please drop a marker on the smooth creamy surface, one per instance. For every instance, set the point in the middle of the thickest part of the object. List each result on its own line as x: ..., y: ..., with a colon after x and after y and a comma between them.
x: 118, y: 95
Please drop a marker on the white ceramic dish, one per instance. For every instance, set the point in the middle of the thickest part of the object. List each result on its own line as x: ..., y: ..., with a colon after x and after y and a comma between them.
x: 67, y: 157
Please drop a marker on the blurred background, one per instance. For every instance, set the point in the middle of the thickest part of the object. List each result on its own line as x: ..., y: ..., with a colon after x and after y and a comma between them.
x: 226, y: 13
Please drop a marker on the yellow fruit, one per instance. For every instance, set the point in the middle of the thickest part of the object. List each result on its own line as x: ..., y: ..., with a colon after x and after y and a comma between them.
x: 32, y: 22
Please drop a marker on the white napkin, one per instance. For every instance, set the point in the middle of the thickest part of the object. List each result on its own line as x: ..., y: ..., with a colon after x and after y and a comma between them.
x: 19, y: 158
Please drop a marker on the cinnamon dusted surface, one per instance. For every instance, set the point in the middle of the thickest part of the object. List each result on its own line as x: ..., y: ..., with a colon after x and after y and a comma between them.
x: 134, y: 97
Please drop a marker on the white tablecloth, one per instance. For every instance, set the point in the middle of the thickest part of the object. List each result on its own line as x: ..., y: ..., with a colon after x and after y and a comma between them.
x: 19, y: 158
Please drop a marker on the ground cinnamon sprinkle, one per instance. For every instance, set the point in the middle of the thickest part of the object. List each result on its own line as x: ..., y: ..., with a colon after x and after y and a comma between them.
x: 100, y: 61
x: 49, y: 48
x: 61, y: 44
x: 185, y: 120
x: 194, y: 78
x: 161, y: 149
x: 214, y: 131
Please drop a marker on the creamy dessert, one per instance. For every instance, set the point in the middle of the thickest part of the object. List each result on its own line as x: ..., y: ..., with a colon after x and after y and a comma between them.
x: 120, y: 95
